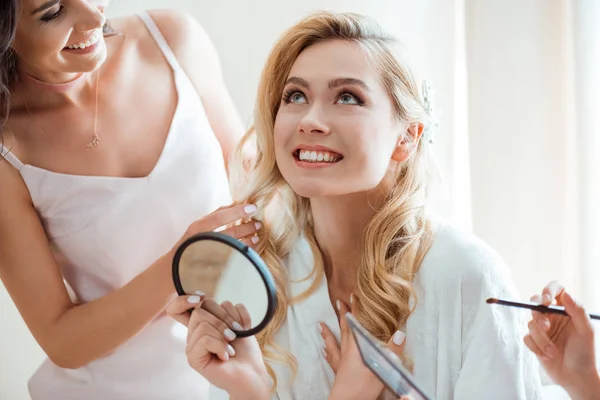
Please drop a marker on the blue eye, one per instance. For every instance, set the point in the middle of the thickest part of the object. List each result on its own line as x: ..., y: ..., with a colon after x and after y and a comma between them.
x: 347, y: 98
x: 294, y: 96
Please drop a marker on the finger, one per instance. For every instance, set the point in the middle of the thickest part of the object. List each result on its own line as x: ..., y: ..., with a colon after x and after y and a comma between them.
x: 204, y: 328
x: 397, y: 342
x: 205, y: 345
x: 541, y: 340
x: 200, y: 315
x: 541, y: 318
x: 246, y: 320
x: 250, y: 241
x: 551, y: 292
x: 179, y: 308
x: 580, y: 319
x: 215, y: 309
x: 533, y: 347
x: 233, y: 312
x: 344, y: 328
x: 353, y: 304
x: 245, y: 230
x: 331, y: 351
x: 222, y: 217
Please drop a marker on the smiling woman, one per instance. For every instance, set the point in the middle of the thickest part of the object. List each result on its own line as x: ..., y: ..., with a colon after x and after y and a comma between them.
x: 97, y: 194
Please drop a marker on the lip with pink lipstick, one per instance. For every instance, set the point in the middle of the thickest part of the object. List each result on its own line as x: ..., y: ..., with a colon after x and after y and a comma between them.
x: 316, y: 156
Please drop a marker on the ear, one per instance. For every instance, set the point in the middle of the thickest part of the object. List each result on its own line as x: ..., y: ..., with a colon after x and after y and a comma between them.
x: 408, y: 142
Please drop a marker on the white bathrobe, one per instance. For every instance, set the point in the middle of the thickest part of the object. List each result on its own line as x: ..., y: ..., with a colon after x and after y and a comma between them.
x: 461, y: 347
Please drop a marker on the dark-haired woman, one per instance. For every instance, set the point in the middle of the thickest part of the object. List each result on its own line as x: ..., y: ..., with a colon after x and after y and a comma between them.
x: 114, y: 149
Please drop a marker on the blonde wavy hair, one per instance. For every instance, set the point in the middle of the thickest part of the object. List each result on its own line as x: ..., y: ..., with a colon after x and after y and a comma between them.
x: 398, y: 236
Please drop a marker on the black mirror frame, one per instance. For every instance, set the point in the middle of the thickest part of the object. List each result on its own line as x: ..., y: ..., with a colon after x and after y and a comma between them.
x: 251, y: 255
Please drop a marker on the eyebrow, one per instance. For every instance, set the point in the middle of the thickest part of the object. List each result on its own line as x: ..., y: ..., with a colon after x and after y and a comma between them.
x: 332, y: 84
x: 44, y: 6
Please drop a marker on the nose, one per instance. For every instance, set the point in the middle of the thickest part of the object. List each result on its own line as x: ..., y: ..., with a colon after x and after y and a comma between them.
x: 314, y: 123
x: 90, y: 17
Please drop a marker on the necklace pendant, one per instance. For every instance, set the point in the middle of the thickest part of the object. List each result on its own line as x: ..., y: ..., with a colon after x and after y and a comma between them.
x: 95, y: 141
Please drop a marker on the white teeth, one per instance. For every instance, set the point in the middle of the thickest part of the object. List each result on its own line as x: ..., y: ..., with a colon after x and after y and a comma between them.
x: 91, y: 41
x: 317, y: 156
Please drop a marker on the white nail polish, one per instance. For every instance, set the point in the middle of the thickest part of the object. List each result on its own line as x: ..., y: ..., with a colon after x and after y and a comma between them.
x: 250, y: 209
x: 351, y: 298
x: 399, y: 338
x: 193, y: 299
x: 230, y: 350
x: 254, y: 239
x: 257, y: 225
x: 237, y: 326
x: 229, y: 334
x: 200, y: 293
x: 337, y: 304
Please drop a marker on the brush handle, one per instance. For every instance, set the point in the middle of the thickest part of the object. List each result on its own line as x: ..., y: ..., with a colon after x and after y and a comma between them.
x: 552, y: 309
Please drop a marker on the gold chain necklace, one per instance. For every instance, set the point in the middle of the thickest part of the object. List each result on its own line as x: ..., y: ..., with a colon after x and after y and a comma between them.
x: 95, y: 138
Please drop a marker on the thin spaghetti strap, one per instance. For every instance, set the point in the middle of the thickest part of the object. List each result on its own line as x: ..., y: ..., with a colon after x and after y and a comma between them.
x: 6, y: 154
x: 160, y: 40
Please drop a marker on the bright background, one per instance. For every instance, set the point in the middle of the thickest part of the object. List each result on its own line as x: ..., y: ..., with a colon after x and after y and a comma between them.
x: 518, y: 87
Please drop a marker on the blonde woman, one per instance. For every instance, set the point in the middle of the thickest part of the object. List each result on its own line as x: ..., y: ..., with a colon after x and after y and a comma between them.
x: 341, y: 183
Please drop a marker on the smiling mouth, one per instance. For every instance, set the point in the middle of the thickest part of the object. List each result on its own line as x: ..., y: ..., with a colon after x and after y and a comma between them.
x: 86, y: 43
x: 320, y: 156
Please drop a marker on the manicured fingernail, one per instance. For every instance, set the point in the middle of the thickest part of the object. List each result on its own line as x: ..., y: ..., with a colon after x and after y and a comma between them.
x: 546, y: 298
x: 258, y: 225
x: 254, y: 239
x: 319, y: 327
x: 351, y: 299
x: 549, y: 350
x: 230, y: 350
x: 193, y: 299
x: 398, y: 338
x: 229, y: 334
x: 226, y: 356
x: 544, y: 325
x: 337, y: 304
x: 250, y: 209
x: 200, y: 293
x: 237, y: 326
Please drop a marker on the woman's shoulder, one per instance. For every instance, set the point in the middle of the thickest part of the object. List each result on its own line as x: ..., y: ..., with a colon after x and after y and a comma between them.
x: 459, y: 257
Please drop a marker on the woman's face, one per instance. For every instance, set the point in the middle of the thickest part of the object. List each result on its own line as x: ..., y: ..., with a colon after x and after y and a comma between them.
x: 55, y: 38
x: 336, y: 129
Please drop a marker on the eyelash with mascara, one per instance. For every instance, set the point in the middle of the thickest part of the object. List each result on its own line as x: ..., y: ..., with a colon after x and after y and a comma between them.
x: 53, y: 17
x: 288, y: 94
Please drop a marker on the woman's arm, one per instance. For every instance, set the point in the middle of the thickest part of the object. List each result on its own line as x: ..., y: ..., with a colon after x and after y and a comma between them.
x: 74, y: 335
x: 71, y: 336
x: 199, y: 59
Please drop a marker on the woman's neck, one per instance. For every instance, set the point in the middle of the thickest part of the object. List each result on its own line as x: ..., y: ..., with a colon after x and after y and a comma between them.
x: 44, y: 90
x: 339, y: 226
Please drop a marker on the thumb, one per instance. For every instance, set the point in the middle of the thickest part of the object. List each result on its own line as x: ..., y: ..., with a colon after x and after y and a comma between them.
x: 397, y: 342
x: 579, y: 318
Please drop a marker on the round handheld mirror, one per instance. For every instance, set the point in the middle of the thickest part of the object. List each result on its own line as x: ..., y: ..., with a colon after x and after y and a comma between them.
x: 225, y: 269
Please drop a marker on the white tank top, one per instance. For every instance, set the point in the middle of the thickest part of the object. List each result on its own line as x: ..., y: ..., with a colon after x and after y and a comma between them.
x: 107, y: 230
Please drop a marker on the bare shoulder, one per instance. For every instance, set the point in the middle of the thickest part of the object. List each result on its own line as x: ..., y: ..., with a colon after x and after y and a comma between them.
x: 191, y: 45
x: 185, y: 36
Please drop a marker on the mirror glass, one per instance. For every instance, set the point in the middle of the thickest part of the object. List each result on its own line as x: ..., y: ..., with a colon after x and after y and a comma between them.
x: 225, y: 270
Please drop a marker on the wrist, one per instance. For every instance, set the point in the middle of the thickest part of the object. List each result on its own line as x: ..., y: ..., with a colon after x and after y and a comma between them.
x: 258, y: 390
x: 587, y: 388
